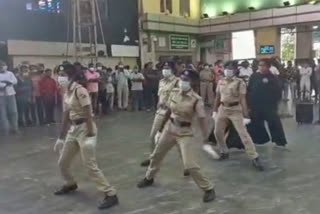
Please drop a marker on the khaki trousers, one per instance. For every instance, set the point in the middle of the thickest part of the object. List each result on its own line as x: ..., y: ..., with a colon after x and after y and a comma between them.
x: 77, y: 141
x: 206, y: 92
x: 166, y: 142
x: 123, y: 96
x: 235, y: 116
x: 157, y: 123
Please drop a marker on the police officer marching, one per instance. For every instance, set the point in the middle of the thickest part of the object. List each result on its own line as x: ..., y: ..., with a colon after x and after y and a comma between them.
x: 166, y: 85
x: 230, y: 105
x: 183, y: 105
x: 79, y: 135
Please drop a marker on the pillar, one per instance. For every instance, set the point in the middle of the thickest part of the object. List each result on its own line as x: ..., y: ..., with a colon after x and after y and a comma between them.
x: 267, y: 36
x: 304, y: 48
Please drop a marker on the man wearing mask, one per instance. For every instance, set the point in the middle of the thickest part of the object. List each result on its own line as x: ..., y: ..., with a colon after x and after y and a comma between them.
x: 245, y: 71
x: 102, y: 89
x: 137, y: 79
x: 24, y: 95
x: 152, y: 78
x: 8, y: 106
x: 206, y: 85
x: 292, y: 77
x: 93, y: 85
x: 122, y: 77
x: 37, y: 107
x: 110, y: 80
x: 231, y: 106
x: 48, y: 90
x: 264, y: 95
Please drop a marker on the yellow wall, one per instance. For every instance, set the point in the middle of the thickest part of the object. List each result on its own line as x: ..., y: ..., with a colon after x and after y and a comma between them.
x: 153, y: 6
x: 267, y: 36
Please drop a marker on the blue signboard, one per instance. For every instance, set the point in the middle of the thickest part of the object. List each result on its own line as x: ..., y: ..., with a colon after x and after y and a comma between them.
x: 267, y: 49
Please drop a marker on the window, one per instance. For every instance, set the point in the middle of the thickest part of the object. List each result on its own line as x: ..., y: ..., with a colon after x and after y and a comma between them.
x: 166, y: 5
x: 243, y: 45
x: 185, y: 7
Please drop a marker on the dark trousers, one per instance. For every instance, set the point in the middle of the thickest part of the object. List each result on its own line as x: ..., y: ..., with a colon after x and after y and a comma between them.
x: 258, y: 129
x: 37, y: 110
x: 49, y: 105
x: 102, y: 100
x: 137, y: 99
x: 24, y: 113
x: 151, y: 97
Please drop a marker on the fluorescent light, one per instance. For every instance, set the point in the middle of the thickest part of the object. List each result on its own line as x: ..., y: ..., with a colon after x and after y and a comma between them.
x: 315, y: 27
x: 312, y: 2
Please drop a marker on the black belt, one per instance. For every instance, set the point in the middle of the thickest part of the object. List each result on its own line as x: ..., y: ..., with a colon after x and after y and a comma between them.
x: 78, y: 121
x: 230, y: 104
x: 180, y: 123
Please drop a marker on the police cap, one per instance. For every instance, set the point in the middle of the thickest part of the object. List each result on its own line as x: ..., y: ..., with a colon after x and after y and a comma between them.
x: 190, y: 74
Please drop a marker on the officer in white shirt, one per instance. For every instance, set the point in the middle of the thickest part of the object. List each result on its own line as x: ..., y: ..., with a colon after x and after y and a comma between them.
x: 305, y: 80
x: 8, y: 106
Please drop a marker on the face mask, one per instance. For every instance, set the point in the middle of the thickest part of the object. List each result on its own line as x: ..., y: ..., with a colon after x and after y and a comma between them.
x: 184, y: 85
x: 25, y: 74
x: 228, y: 73
x: 4, y: 68
x: 34, y: 71
x: 63, y: 80
x: 99, y: 68
x: 91, y: 69
x: 166, y: 72
x: 206, y: 67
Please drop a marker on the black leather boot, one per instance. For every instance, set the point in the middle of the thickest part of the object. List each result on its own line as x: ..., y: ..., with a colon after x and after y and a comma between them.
x: 145, y: 163
x: 66, y: 189
x: 209, y: 196
x: 145, y: 183
x: 108, y: 202
x: 257, y: 164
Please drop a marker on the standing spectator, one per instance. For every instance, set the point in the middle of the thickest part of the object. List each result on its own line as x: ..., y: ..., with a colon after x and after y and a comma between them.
x: 218, y: 70
x: 292, y: 79
x: 8, y: 106
x: 305, y: 82
x: 110, y: 80
x: 275, y: 65
x: 93, y: 85
x: 245, y: 71
x: 206, y: 85
x: 122, y: 76
x: 37, y: 107
x: 24, y: 96
x: 102, y: 89
x: 137, y: 79
x: 284, y: 78
x: 151, y: 83
x: 48, y: 91
x: 317, y: 78
x: 179, y: 67
x: 63, y: 83
x: 255, y: 66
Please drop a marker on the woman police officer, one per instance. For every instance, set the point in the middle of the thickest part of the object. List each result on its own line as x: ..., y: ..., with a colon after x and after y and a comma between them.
x: 183, y: 105
x: 79, y: 135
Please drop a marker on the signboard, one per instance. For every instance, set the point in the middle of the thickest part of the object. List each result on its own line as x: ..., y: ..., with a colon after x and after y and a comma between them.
x: 267, y: 49
x: 179, y: 42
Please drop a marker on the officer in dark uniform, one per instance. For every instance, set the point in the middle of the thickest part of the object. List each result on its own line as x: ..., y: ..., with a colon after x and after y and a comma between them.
x: 264, y: 94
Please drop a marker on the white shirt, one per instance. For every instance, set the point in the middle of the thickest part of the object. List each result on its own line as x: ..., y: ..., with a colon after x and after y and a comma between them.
x: 122, y: 77
x: 136, y: 86
x: 306, y: 72
x: 274, y: 70
x: 7, y: 90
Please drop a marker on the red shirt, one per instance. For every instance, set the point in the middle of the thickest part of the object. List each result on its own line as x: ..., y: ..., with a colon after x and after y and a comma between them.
x: 47, y: 86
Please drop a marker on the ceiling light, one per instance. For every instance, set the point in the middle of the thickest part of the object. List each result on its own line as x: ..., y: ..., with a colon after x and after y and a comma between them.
x: 312, y: 2
x: 315, y: 27
x: 251, y: 8
x: 286, y: 3
x: 205, y: 16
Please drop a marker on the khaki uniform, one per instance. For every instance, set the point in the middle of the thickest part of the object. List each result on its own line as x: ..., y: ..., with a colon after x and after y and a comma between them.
x: 183, y: 108
x: 165, y: 88
x: 206, y: 86
x: 231, y: 110
x: 77, y: 141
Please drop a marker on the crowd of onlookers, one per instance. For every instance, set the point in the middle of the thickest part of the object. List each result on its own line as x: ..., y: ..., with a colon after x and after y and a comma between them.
x: 33, y: 94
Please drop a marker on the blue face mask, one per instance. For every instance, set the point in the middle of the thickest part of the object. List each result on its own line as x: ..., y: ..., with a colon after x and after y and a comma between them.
x: 184, y: 85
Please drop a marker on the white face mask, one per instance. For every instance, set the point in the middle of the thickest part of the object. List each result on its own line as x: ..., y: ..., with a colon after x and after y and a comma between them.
x: 166, y: 72
x: 206, y: 67
x: 63, y: 80
x: 4, y: 68
x: 184, y: 85
x: 91, y: 69
x: 228, y: 73
x: 99, y: 68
